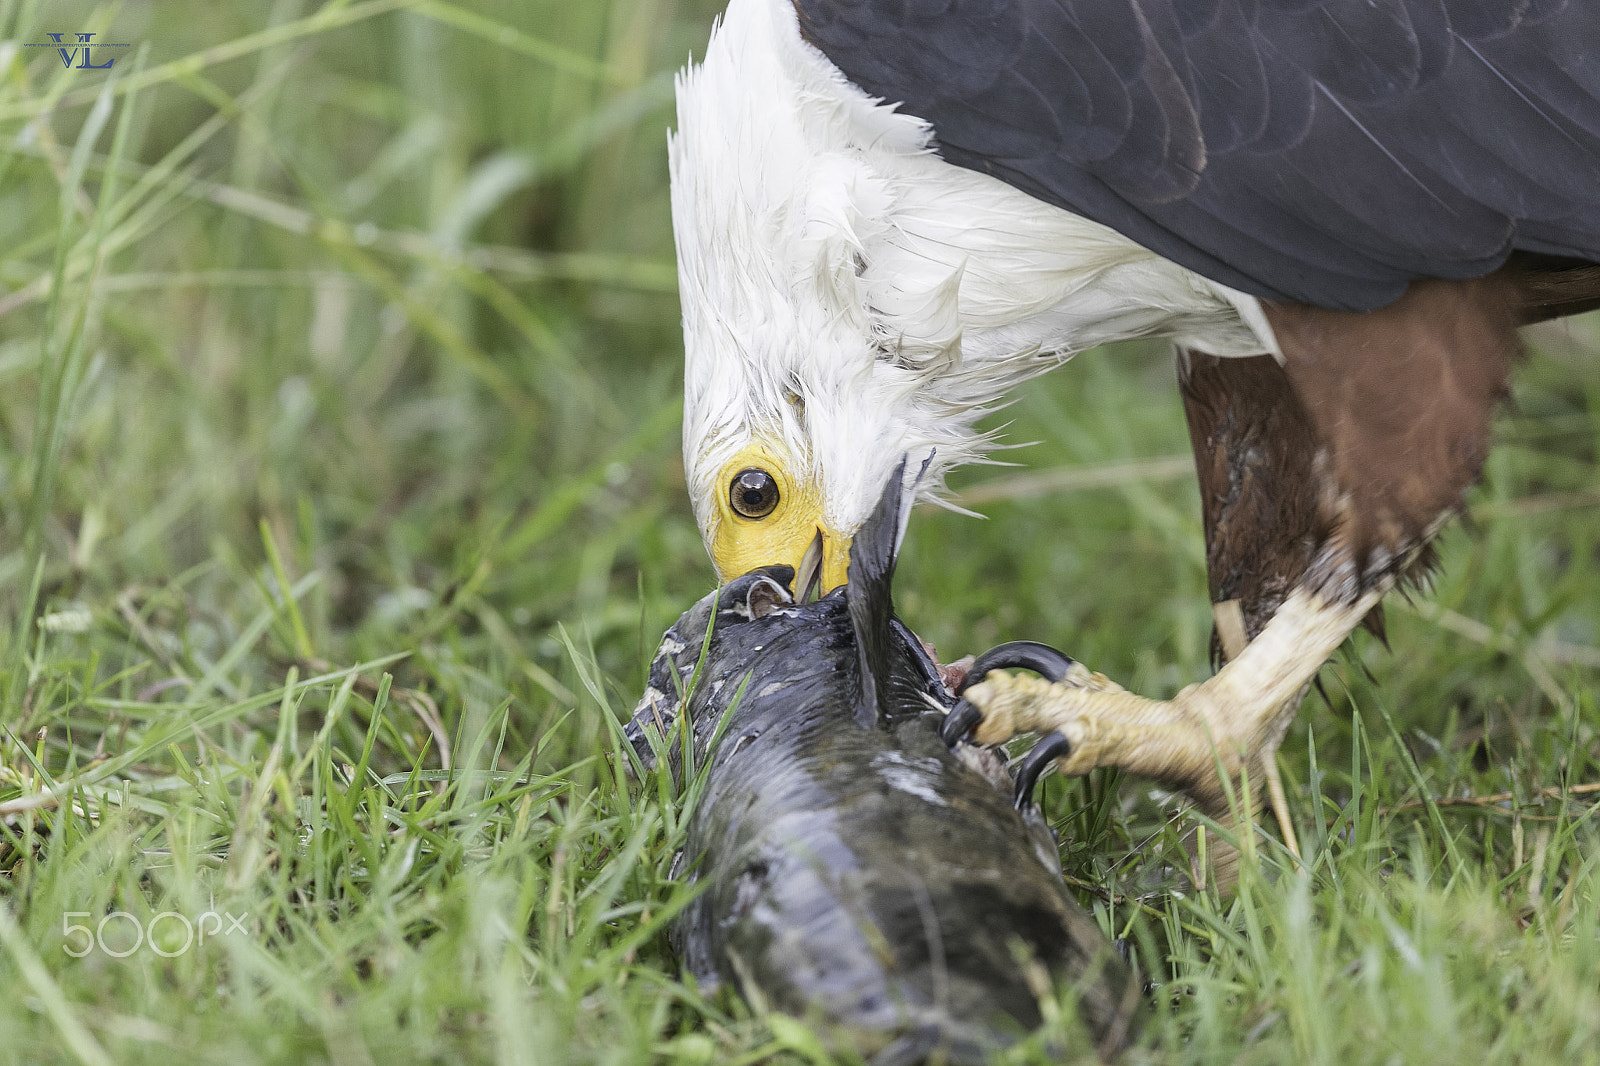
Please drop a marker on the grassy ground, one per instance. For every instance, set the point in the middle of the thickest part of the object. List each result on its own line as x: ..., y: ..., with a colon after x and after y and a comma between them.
x: 340, y: 508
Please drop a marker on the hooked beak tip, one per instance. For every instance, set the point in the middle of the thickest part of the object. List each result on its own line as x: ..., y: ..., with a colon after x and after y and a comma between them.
x: 808, y: 578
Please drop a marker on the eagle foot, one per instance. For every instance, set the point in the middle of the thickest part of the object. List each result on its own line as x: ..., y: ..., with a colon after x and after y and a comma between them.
x: 1053, y: 666
x: 1099, y: 722
x: 1207, y: 740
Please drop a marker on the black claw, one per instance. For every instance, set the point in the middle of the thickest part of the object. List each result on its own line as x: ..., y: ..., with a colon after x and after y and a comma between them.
x: 1042, y: 659
x: 959, y: 722
x: 1033, y: 764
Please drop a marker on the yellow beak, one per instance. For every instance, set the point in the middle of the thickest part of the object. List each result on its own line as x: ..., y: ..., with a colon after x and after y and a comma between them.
x: 818, y: 556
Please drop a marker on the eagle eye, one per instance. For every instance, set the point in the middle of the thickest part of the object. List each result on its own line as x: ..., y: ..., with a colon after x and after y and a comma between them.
x: 753, y: 493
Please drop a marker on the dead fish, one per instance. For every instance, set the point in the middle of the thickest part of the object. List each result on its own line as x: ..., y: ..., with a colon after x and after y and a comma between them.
x: 859, y: 872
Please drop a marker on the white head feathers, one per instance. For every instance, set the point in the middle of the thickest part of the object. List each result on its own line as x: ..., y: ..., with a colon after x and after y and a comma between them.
x: 851, y: 298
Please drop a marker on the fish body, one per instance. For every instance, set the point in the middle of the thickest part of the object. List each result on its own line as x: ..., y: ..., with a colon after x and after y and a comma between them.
x: 858, y: 872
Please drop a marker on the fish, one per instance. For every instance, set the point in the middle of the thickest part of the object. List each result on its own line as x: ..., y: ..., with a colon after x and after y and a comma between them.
x: 855, y: 870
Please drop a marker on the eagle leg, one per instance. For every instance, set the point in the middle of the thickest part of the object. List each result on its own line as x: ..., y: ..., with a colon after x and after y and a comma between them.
x: 1323, y: 479
x: 1256, y: 457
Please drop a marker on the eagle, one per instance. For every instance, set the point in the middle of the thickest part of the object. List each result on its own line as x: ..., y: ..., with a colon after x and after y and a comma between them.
x: 891, y: 214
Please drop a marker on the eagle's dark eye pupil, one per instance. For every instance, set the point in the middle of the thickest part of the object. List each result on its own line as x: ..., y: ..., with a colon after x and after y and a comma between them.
x: 753, y: 493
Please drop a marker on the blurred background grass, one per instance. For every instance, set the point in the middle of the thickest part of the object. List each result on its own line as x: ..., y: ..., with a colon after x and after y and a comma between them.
x: 374, y: 305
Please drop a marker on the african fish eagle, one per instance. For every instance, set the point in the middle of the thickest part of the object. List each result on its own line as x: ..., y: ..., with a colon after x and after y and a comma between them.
x: 891, y: 213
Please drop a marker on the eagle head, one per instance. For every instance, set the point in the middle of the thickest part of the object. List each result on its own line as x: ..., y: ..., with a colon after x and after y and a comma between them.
x: 850, y: 298
x: 803, y: 388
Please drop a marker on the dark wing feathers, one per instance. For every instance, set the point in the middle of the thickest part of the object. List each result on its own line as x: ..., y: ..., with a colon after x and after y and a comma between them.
x: 1234, y: 90
x: 1361, y: 52
x: 1327, y: 151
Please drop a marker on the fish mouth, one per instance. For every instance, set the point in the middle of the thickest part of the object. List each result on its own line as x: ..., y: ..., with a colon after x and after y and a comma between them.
x: 808, y: 579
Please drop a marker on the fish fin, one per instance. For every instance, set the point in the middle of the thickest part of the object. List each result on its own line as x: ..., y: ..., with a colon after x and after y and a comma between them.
x: 868, y: 591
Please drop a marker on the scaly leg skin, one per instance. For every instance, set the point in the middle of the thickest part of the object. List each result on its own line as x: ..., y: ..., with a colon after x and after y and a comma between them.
x: 1231, y: 637
x: 1237, y: 718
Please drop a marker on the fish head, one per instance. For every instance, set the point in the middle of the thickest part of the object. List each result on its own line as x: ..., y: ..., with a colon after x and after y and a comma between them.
x: 687, y: 648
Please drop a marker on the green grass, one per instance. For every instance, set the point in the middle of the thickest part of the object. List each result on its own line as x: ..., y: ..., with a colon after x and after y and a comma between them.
x: 338, y: 421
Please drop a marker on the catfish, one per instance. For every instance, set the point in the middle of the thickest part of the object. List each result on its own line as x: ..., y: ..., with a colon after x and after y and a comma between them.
x: 899, y: 893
